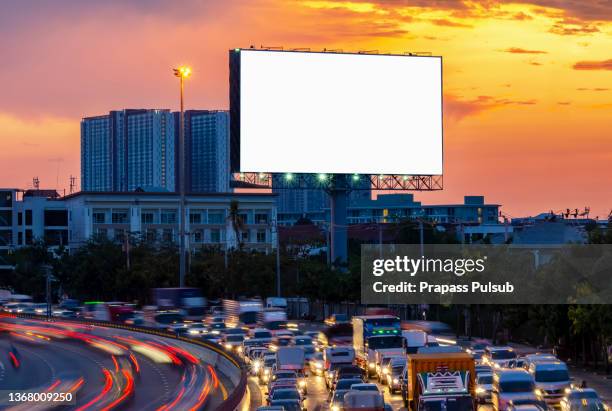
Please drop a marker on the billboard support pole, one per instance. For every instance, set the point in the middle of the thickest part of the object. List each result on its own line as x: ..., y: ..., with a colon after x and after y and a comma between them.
x: 338, y: 195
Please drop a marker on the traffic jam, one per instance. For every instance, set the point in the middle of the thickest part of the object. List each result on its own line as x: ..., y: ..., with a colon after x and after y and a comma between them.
x: 377, y: 362
x: 372, y: 361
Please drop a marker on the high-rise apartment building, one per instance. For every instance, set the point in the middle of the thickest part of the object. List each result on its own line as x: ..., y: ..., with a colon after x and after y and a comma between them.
x: 207, y: 151
x: 129, y: 149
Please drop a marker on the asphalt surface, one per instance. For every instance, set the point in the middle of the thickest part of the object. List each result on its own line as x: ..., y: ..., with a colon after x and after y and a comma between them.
x: 104, y: 368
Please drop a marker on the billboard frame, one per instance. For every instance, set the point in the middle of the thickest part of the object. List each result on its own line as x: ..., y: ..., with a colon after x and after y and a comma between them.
x: 416, y: 182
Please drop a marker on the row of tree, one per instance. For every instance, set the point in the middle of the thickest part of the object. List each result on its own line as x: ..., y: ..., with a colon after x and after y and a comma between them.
x: 102, y: 270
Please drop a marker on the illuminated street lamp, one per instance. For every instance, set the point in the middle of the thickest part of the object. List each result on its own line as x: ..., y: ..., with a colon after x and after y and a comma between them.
x: 182, y: 73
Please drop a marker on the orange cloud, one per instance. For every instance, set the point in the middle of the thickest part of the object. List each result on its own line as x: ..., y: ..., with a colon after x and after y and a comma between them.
x: 449, y: 23
x: 593, y: 65
x: 518, y: 50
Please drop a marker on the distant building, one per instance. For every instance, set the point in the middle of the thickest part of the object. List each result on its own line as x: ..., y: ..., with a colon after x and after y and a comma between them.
x: 29, y: 216
x: 128, y: 149
x: 138, y: 148
x: 155, y: 216
x: 70, y: 221
x: 207, y: 151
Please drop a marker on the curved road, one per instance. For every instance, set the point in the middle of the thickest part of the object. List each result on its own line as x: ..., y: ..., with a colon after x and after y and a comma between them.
x: 104, y: 368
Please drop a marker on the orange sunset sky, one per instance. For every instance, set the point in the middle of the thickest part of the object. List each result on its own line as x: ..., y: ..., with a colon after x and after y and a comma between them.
x: 527, y: 84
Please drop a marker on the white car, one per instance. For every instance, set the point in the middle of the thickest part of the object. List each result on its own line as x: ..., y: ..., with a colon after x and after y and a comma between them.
x: 511, y: 385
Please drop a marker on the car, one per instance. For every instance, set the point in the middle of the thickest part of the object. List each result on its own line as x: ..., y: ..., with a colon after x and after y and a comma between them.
x: 537, y: 358
x: 365, y: 387
x: 282, y: 341
x: 336, y: 319
x: 384, y: 367
x: 345, y: 384
x: 261, y: 336
x: 527, y: 405
x: 483, y: 369
x: 264, y: 372
x: 499, y: 357
x: 582, y: 399
x: 213, y: 338
x: 551, y: 380
x: 484, y: 385
x: 288, y: 405
x: 393, y: 377
x: 337, y: 400
x: 511, y: 385
x: 346, y: 372
x: 285, y: 394
x: 315, y: 363
x: 196, y: 330
x: 233, y: 342
x: 234, y: 331
x: 282, y: 375
x: 216, y: 328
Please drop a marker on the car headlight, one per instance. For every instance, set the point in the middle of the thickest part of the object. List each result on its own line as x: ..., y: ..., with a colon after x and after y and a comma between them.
x: 318, y: 365
x: 479, y: 390
x: 335, y: 408
x: 385, y: 371
x: 395, y: 381
x: 302, y: 383
x: 239, y: 348
x: 372, y: 365
x: 228, y: 346
x: 538, y: 391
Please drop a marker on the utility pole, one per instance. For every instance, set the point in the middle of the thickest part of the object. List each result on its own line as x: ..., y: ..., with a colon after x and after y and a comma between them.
x: 47, y: 269
x: 278, y: 275
x: 421, y: 237
x: 182, y: 73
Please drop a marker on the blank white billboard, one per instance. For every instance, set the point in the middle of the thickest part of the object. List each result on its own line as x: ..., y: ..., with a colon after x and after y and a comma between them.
x: 305, y: 112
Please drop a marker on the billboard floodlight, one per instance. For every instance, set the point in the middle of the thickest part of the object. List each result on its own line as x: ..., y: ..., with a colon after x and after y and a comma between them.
x: 322, y: 177
x: 288, y: 176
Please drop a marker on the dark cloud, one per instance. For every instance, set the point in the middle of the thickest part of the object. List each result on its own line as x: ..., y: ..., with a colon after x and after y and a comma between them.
x: 585, y: 10
x: 593, y: 65
x: 592, y: 89
x: 564, y: 103
x: 518, y: 50
x: 535, y: 63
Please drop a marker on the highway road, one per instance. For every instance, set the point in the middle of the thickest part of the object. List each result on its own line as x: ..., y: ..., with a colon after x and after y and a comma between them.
x: 104, y: 368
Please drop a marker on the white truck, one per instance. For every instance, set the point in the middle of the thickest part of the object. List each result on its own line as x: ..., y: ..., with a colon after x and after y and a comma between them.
x: 242, y: 312
x: 273, y: 319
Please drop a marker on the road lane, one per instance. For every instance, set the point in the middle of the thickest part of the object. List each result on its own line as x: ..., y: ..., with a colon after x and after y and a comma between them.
x: 49, y: 351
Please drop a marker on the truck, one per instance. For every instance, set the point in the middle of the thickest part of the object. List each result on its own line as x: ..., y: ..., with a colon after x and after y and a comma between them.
x: 439, y: 381
x: 242, y: 312
x: 375, y: 336
x: 114, y: 311
x: 414, y: 340
x: 273, y: 319
x: 187, y: 300
x: 276, y: 302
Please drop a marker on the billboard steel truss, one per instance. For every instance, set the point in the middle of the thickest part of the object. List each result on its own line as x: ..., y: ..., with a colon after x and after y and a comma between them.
x: 338, y: 182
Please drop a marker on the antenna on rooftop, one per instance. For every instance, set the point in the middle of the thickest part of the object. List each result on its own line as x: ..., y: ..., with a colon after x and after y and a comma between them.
x: 36, y: 183
x: 72, y: 183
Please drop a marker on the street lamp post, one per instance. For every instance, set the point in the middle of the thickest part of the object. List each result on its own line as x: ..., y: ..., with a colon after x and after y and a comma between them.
x: 182, y: 73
